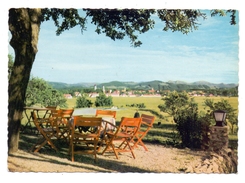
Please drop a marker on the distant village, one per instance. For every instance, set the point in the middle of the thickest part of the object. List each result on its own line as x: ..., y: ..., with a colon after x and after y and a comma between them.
x: 133, y: 93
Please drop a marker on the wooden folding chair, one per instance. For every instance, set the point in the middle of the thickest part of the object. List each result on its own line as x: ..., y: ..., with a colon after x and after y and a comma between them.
x: 48, y: 133
x: 85, y: 142
x: 63, y: 116
x: 119, y: 141
x: 146, y: 125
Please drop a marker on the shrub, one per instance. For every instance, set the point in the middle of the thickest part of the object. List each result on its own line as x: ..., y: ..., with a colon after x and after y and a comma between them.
x: 103, y: 100
x: 140, y: 105
x: 189, y: 126
x: 184, y: 111
x: 83, y: 102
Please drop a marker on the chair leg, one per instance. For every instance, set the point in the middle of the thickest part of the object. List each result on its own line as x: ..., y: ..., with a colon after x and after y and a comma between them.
x: 140, y: 142
x: 123, y: 143
x: 95, y: 158
x: 39, y: 145
x: 46, y: 140
x: 127, y: 144
x: 115, y: 152
x: 104, y: 150
x: 52, y: 145
x: 95, y: 151
x: 72, y: 153
x: 131, y: 149
x: 135, y: 142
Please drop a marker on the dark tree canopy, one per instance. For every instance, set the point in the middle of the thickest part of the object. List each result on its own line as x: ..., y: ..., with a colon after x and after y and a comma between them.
x: 118, y: 23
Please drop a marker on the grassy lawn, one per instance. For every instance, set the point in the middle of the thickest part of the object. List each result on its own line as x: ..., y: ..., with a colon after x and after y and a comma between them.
x: 162, y: 133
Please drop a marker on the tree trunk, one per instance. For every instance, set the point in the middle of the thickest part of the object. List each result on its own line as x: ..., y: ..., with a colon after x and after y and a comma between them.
x: 24, y: 25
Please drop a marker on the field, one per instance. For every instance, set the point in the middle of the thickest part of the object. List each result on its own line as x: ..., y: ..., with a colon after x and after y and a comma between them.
x: 151, y: 103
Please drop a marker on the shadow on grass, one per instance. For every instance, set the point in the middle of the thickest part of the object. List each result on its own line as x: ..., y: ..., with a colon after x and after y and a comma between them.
x: 163, y: 135
x: 167, y: 126
x: 159, y: 134
x: 102, y: 165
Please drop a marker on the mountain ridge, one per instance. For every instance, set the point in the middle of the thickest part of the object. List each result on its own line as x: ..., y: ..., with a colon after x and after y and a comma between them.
x: 155, y: 84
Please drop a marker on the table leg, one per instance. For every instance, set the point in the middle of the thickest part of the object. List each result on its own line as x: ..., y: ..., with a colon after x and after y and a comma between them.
x: 28, y: 124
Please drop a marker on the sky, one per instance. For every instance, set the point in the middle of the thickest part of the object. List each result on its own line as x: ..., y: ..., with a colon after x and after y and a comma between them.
x: 207, y: 54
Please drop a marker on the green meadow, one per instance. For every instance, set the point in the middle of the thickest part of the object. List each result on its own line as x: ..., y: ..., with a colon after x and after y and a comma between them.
x: 151, y: 103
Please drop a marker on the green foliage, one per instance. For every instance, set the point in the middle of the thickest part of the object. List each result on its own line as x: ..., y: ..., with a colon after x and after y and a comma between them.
x: 102, y: 100
x: 174, y: 102
x: 184, y: 111
x: 82, y: 102
x: 189, y: 126
x: 180, y: 20
x: 223, y: 13
x: 39, y: 92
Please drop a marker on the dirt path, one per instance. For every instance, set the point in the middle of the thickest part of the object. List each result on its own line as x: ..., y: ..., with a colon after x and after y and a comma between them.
x: 158, y: 159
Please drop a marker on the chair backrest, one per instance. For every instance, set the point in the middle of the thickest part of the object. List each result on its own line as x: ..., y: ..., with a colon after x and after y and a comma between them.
x: 130, y: 125
x: 87, y: 122
x: 35, y: 121
x: 67, y: 113
x: 55, y: 116
x: 49, y: 112
x: 147, y: 120
x: 56, y: 113
x: 42, y: 123
x: 110, y: 113
x: 51, y: 107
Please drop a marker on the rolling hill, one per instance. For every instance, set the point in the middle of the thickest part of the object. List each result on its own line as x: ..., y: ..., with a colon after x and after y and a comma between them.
x: 156, y: 85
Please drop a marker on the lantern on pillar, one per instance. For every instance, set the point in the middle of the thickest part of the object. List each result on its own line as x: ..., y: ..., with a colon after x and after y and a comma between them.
x: 219, y: 116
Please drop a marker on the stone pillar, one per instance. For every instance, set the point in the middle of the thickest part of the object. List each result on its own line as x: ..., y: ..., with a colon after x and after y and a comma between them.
x: 218, y: 138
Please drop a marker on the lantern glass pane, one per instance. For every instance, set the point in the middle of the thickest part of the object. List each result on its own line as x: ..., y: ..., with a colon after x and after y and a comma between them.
x: 219, y: 116
x: 224, y: 116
